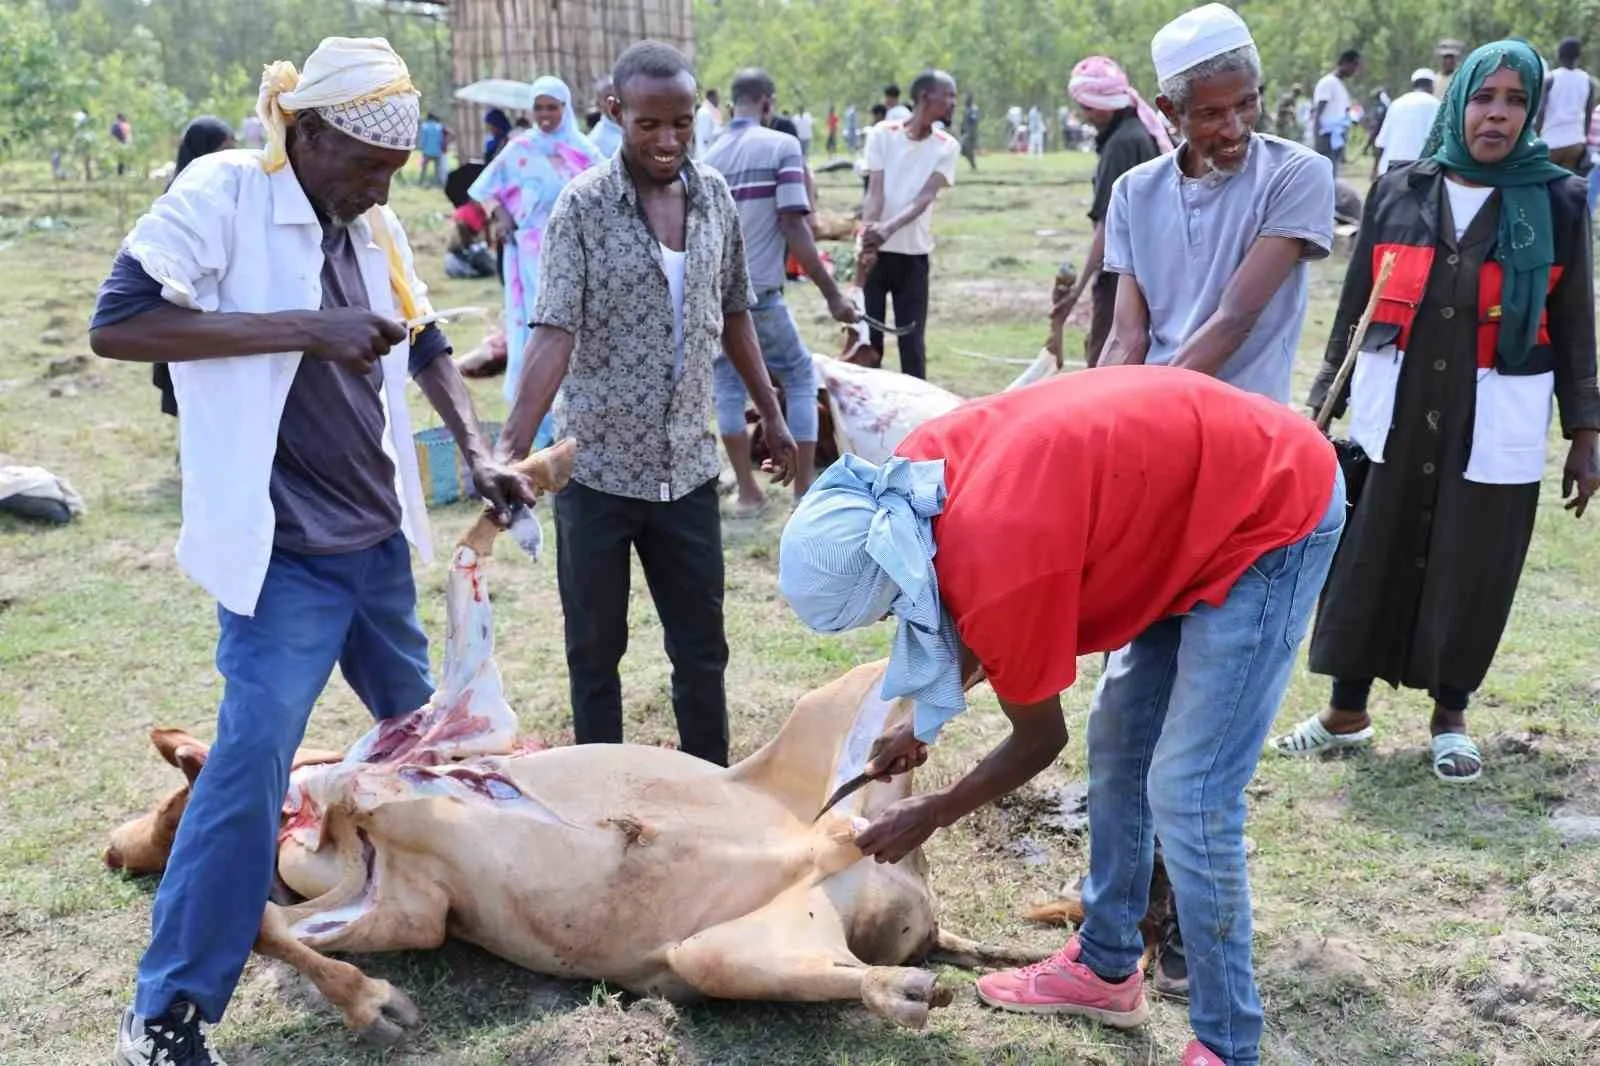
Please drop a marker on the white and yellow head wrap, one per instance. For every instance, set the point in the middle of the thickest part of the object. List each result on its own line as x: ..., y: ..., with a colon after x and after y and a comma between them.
x: 360, y: 85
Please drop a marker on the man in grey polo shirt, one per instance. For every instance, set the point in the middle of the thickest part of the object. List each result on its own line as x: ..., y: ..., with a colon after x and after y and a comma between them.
x: 1212, y: 241
x: 1250, y: 211
x: 766, y: 173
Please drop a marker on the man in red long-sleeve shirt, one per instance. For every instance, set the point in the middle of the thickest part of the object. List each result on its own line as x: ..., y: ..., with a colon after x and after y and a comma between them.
x: 1179, y: 523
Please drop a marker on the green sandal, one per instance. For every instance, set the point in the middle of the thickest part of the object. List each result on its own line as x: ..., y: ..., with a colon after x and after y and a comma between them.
x: 1449, y: 750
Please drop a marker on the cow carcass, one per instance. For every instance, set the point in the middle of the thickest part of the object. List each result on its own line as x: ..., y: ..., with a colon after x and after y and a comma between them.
x: 640, y: 866
x: 863, y: 410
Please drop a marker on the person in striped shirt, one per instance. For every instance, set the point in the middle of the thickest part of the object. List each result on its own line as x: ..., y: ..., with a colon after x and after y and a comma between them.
x: 766, y: 173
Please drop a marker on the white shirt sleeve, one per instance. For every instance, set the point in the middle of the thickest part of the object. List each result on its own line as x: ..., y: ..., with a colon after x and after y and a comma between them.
x: 1324, y: 92
x: 185, y: 239
x: 949, y: 152
x: 875, y: 150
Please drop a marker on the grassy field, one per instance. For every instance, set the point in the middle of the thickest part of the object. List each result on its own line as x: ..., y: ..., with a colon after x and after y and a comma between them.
x: 1398, y: 920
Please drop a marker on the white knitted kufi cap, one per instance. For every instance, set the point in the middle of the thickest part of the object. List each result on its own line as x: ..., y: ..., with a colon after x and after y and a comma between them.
x: 1196, y: 36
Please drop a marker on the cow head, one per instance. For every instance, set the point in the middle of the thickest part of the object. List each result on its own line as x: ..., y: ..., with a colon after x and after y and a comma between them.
x: 143, y: 845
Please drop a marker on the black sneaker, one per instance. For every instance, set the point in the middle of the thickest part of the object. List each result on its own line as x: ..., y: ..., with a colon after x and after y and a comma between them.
x: 175, y: 1039
x: 1171, y: 978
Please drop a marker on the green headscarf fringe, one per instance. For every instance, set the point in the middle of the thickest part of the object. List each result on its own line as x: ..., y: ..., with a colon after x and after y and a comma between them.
x: 1525, y: 244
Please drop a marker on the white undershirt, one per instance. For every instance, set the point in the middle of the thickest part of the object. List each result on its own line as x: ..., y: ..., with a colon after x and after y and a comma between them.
x: 1465, y: 203
x: 673, y: 262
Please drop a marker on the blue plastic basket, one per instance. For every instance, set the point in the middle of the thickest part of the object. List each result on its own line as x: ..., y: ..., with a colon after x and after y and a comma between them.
x: 445, y: 478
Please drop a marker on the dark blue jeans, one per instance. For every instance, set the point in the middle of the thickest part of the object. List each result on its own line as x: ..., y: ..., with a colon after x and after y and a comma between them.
x: 357, y: 610
x: 1174, y: 736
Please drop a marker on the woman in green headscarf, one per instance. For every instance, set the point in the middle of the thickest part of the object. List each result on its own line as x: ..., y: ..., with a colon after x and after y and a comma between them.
x: 1488, y: 312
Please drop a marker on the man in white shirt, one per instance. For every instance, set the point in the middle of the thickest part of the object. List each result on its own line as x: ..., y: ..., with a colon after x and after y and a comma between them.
x: 1406, y: 125
x: 276, y: 286
x: 1330, y: 107
x: 707, y: 123
x: 804, y: 127
x: 1568, y: 100
x: 907, y: 164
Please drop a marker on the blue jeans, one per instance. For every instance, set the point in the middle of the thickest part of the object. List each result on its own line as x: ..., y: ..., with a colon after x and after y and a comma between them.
x: 1594, y: 186
x: 787, y: 361
x: 357, y: 609
x: 1174, y: 735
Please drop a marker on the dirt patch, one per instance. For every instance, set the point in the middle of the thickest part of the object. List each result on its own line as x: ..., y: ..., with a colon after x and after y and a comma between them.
x: 1032, y: 813
x: 1325, y: 966
x: 66, y: 366
x: 1576, y: 820
x: 1555, y: 895
x: 606, y: 1034
x: 1504, y: 988
x: 1506, y: 976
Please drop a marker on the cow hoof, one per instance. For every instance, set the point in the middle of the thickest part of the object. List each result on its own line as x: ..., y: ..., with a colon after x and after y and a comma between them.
x: 389, y: 1019
x: 904, y: 995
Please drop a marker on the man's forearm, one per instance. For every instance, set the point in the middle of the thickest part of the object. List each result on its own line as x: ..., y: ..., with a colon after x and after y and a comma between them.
x: 441, y: 382
x: 1093, y: 261
x: 174, y: 334
x: 544, y: 367
x: 1018, y: 759
x: 909, y: 215
x: 740, y: 346
x: 872, y: 206
x: 796, y: 231
x: 1210, y: 347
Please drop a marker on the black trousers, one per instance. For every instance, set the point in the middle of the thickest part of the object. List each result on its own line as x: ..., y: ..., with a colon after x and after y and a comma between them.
x: 680, y: 548
x: 905, y: 277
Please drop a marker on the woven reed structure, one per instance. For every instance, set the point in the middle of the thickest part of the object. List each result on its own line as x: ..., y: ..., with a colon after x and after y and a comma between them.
x: 577, y: 40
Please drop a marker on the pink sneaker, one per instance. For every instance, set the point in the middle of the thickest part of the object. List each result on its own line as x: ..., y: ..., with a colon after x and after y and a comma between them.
x: 1197, y: 1054
x: 1063, y: 985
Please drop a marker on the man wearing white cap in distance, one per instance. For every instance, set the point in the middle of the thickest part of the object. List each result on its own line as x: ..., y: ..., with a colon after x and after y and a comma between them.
x: 276, y: 286
x: 1406, y: 125
x: 1212, y: 241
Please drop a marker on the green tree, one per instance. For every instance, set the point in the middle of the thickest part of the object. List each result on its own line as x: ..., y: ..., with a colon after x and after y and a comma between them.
x: 43, y: 83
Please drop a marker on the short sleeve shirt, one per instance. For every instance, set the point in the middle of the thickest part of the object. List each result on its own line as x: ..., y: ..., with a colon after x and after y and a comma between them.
x: 1126, y: 146
x: 1082, y: 510
x: 766, y: 176
x: 907, y: 165
x: 643, y: 427
x: 1182, y: 239
x: 1331, y: 93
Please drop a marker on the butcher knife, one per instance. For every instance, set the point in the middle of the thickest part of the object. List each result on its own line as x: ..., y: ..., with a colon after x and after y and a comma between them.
x: 883, y: 327
x: 855, y: 784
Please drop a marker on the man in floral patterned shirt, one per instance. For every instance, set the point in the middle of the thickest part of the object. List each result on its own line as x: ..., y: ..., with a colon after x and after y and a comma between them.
x: 642, y: 282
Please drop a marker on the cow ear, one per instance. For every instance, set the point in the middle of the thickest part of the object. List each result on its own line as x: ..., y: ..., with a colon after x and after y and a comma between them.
x: 191, y: 759
x: 180, y: 750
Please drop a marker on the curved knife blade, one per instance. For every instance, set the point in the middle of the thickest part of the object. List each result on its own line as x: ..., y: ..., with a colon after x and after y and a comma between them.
x: 855, y: 784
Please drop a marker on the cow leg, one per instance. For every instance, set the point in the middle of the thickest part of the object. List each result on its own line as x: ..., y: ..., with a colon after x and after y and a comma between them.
x: 794, y: 949
x: 374, y: 1009
x: 953, y: 950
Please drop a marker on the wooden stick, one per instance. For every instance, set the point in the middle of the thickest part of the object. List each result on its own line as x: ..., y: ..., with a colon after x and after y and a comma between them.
x: 1325, y: 416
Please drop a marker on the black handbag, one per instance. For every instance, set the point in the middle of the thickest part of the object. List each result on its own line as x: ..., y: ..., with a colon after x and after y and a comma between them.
x: 1355, y: 464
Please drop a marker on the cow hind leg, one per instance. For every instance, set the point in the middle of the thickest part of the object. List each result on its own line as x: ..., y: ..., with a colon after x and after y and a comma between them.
x: 373, y: 1008
x: 794, y: 950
